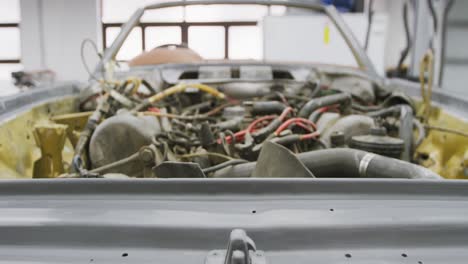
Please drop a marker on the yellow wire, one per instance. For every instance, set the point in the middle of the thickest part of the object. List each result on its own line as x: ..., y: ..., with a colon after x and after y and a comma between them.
x: 136, y: 85
x: 182, y: 87
x: 447, y: 130
x: 134, y: 80
x: 426, y: 65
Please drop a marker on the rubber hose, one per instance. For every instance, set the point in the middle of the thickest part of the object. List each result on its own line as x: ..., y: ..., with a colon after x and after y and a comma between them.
x: 267, y: 107
x: 342, y: 99
x: 345, y: 163
x: 392, y: 110
x: 315, y: 115
x: 287, y: 140
x: 263, y: 133
x: 405, y: 113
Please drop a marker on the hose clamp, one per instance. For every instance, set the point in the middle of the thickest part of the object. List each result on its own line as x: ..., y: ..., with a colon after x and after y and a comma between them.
x: 364, y: 164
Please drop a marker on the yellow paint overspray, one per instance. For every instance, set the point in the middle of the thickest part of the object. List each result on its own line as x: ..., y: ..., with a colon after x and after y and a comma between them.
x: 326, y: 34
x: 443, y: 152
x: 18, y: 149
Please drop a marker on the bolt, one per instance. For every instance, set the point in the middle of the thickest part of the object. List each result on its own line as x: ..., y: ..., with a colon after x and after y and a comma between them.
x: 146, y: 155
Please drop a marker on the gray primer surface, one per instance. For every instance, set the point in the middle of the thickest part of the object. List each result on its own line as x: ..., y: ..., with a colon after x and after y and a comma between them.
x: 180, y: 221
x: 24, y: 101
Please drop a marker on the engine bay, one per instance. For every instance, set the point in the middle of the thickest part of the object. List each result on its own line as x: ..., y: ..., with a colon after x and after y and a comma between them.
x: 345, y: 126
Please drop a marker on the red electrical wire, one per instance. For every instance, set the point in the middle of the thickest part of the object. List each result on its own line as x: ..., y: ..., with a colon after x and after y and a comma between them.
x: 305, y: 127
x: 307, y: 121
x: 285, y: 113
x: 250, y: 128
x: 328, y: 107
x: 253, y: 125
x: 284, y: 125
x: 154, y: 109
x: 296, y: 120
x: 283, y: 98
x: 312, y: 135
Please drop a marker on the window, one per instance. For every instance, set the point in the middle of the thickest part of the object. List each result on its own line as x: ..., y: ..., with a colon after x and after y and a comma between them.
x: 202, y: 39
x: 132, y: 46
x: 157, y: 36
x: 215, y: 32
x: 217, y: 13
x: 245, y: 42
x: 10, y: 52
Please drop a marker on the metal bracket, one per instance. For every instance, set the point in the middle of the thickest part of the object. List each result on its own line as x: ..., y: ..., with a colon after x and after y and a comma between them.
x: 241, y: 250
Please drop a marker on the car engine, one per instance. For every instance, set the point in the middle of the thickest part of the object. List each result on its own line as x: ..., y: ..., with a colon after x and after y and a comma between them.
x: 345, y: 126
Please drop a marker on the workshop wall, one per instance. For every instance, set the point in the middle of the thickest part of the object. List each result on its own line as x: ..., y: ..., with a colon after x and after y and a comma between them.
x: 52, y: 32
x: 456, y: 61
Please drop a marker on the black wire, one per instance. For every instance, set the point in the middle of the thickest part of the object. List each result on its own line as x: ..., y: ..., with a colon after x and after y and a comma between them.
x: 176, y: 138
x: 77, y: 162
x: 365, y: 108
x: 405, y: 52
x: 433, y: 14
x: 148, y: 85
x: 166, y: 151
x: 121, y: 88
x: 369, y: 26
x: 83, y: 60
x: 444, y: 39
x: 317, y: 88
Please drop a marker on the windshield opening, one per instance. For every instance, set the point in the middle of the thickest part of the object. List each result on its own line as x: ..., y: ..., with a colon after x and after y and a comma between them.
x: 230, y: 32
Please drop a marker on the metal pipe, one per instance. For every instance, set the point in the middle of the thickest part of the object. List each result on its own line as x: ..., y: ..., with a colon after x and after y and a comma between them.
x: 111, y: 52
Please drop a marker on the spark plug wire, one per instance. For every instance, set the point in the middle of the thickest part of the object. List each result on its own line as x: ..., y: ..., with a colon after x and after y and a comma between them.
x: 296, y: 120
x: 250, y: 128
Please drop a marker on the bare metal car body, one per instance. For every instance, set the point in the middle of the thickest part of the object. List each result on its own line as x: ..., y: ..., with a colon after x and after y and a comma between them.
x: 211, y: 221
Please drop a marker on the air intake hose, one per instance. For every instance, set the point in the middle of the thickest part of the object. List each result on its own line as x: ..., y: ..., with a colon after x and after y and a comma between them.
x: 345, y: 163
x: 343, y: 99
